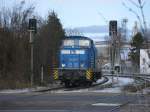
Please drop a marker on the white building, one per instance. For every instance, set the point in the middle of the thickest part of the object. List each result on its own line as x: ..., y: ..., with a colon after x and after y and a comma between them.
x: 145, y: 61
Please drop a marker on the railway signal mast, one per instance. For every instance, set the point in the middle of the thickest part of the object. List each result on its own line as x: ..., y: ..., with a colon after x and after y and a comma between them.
x: 32, y: 30
x: 114, y: 49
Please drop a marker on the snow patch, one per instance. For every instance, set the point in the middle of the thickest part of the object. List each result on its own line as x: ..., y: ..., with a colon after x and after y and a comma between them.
x: 15, y: 91
x: 100, y: 80
x: 123, y: 81
x: 25, y: 90
x: 106, y: 104
x: 109, y: 90
x: 118, y: 83
x: 116, y: 88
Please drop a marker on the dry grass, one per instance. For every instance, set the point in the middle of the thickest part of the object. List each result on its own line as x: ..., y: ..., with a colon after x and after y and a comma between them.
x: 135, y: 88
x: 135, y: 108
x: 12, y: 84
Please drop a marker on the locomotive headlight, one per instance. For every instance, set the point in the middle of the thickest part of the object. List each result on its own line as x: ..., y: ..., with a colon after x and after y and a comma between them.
x: 63, y: 65
x: 80, y: 51
x: 81, y: 65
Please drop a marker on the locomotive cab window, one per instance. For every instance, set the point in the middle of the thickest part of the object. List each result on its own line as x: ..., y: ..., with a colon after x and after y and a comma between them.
x: 84, y: 43
x: 68, y: 43
x: 65, y: 51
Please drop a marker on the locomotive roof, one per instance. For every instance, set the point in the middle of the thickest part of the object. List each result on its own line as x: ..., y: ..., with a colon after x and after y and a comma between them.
x: 78, y: 37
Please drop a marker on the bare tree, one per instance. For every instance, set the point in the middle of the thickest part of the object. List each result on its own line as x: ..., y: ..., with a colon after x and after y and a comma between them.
x: 14, y: 45
x: 140, y: 16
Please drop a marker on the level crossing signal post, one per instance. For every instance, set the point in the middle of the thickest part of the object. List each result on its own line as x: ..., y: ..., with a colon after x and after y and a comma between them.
x: 113, y: 35
x: 32, y: 30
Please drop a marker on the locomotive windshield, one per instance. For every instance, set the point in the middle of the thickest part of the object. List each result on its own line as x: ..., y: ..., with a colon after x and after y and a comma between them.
x: 68, y: 43
x: 75, y: 42
x: 84, y: 43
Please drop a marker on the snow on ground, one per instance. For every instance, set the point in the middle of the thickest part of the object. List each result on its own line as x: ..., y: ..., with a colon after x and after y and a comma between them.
x: 109, y: 90
x: 146, y: 90
x: 25, y: 90
x: 123, y: 81
x: 100, y: 80
x: 72, y: 91
x: 117, y: 86
x: 15, y: 91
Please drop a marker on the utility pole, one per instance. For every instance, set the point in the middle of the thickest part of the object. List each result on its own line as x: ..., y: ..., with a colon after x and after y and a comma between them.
x: 42, y: 75
x: 31, y: 43
x: 124, y: 29
x: 32, y: 31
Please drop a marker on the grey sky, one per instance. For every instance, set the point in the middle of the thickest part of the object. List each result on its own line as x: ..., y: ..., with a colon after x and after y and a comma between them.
x: 75, y: 13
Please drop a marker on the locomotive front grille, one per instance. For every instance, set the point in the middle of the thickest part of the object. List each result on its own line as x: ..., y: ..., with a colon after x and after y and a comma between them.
x: 72, y: 74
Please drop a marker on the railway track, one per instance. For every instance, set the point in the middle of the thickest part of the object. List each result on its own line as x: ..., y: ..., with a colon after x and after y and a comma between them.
x: 139, y: 79
x: 141, y: 82
x: 103, y: 82
x: 87, y: 87
x: 140, y: 76
x: 105, y: 79
x: 128, y: 75
x: 50, y: 89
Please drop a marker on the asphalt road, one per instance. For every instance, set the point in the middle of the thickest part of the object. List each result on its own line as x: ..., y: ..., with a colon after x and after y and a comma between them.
x: 63, y: 102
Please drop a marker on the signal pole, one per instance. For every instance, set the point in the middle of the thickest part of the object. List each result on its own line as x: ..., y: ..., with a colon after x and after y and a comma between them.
x: 42, y: 75
x: 32, y: 30
x: 113, y: 35
x: 112, y: 57
x: 31, y: 43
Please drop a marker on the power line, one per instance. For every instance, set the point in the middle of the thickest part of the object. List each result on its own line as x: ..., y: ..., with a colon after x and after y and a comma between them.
x: 103, y: 17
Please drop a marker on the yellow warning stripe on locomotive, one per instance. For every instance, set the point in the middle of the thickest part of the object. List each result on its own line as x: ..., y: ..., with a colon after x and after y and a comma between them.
x: 89, y: 74
x: 55, y: 74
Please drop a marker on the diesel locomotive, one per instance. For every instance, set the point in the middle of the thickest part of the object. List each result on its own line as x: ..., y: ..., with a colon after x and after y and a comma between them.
x: 77, y: 62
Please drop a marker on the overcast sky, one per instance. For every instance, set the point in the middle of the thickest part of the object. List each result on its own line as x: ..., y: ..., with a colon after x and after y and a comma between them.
x: 76, y: 13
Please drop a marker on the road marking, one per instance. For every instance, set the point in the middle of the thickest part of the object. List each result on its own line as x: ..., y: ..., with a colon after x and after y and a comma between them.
x: 106, y: 104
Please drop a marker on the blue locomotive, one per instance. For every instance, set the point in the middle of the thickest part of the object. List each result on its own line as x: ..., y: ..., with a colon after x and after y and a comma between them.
x: 77, y: 62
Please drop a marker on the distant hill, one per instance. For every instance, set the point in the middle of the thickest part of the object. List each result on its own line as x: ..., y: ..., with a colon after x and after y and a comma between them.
x: 97, y: 33
x: 90, y: 29
x: 94, y: 32
x: 93, y: 29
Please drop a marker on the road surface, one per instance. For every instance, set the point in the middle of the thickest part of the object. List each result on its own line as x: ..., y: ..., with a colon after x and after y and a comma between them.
x: 64, y: 102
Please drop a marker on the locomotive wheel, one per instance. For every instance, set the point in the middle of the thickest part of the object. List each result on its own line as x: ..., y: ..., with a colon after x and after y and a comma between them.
x: 75, y: 84
x: 85, y: 83
x: 89, y: 83
x: 67, y: 84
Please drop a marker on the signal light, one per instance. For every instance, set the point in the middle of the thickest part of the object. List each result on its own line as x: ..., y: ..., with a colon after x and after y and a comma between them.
x: 32, y: 25
x: 112, y: 28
